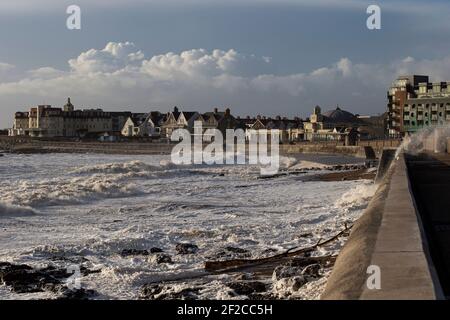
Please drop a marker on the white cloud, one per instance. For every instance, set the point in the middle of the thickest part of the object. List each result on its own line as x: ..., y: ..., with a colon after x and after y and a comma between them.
x: 118, y: 76
x: 45, y: 73
x: 5, y: 67
x: 115, y: 56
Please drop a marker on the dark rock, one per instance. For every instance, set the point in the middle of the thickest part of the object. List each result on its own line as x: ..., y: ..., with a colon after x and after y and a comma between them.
x: 297, y: 282
x: 244, y: 276
x: 77, y: 294
x: 247, y: 287
x: 25, y: 279
x: 270, y: 250
x: 185, y: 294
x: 154, y: 292
x: 236, y: 250
x: 149, y: 291
x: 133, y: 252
x: 161, y: 258
x: 306, y: 235
x: 261, y: 296
x: 285, y: 271
x: 186, y: 248
x: 156, y: 250
x: 313, y: 271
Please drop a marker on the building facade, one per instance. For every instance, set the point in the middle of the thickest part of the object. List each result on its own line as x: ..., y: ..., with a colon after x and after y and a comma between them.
x: 143, y: 125
x: 333, y: 125
x: 46, y: 121
x: 397, y: 95
x: 415, y: 103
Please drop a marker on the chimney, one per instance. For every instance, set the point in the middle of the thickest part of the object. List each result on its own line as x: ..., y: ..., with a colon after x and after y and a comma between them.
x: 216, y: 110
x: 227, y: 111
x: 175, y: 109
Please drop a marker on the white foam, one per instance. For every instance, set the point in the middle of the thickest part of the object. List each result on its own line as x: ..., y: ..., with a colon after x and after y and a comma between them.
x: 357, y: 197
x: 148, y: 203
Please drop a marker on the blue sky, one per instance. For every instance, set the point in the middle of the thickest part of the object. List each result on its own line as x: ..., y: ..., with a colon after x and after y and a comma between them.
x: 286, y: 56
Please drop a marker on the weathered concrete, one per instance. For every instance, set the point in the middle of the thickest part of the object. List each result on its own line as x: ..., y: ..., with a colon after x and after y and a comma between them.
x: 388, y: 235
x: 323, y: 148
x: 430, y: 179
x: 387, y: 156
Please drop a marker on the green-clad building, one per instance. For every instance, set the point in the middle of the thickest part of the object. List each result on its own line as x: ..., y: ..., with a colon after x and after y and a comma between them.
x: 427, y: 106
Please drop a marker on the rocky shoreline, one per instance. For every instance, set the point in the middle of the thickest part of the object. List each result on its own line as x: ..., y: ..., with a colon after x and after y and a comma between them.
x: 22, y: 278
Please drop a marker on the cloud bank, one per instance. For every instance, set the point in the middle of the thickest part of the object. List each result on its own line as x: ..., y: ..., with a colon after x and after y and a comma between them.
x: 120, y: 76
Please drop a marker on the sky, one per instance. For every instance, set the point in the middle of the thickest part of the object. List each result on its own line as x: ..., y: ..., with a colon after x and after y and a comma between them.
x: 268, y: 57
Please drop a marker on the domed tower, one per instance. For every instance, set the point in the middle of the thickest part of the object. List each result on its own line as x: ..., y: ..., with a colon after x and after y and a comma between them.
x: 68, y: 106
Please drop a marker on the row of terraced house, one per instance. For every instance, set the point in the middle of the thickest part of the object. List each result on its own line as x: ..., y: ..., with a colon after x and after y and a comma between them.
x: 49, y: 122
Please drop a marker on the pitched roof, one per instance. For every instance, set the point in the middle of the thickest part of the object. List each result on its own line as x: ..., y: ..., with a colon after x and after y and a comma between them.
x: 138, y: 118
x: 188, y: 114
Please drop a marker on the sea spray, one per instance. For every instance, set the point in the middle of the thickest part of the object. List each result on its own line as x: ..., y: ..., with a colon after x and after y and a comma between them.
x: 432, y: 139
x: 357, y: 197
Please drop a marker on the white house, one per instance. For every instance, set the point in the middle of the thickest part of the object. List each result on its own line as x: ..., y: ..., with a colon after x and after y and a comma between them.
x: 143, y: 125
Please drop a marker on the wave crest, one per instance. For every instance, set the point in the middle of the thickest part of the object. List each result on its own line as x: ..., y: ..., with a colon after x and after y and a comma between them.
x: 15, y: 211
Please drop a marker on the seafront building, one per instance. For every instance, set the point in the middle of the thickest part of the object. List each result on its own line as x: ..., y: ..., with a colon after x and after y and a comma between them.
x: 335, y: 125
x: 143, y: 125
x: 415, y: 103
x: 47, y: 121
x: 341, y: 125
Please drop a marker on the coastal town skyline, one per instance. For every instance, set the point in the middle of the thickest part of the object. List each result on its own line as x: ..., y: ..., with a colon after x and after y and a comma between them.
x: 196, y: 58
x: 224, y: 155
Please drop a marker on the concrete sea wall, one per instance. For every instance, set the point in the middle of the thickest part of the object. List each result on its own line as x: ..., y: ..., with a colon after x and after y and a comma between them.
x: 390, y: 236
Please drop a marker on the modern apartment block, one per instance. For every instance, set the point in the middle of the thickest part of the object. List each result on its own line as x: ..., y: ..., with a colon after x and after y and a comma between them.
x: 416, y: 103
x: 401, y: 89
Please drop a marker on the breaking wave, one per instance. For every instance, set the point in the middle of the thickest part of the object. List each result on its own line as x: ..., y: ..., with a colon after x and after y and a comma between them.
x: 115, y: 168
x: 357, y: 198
x: 61, y: 191
x: 9, y: 210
